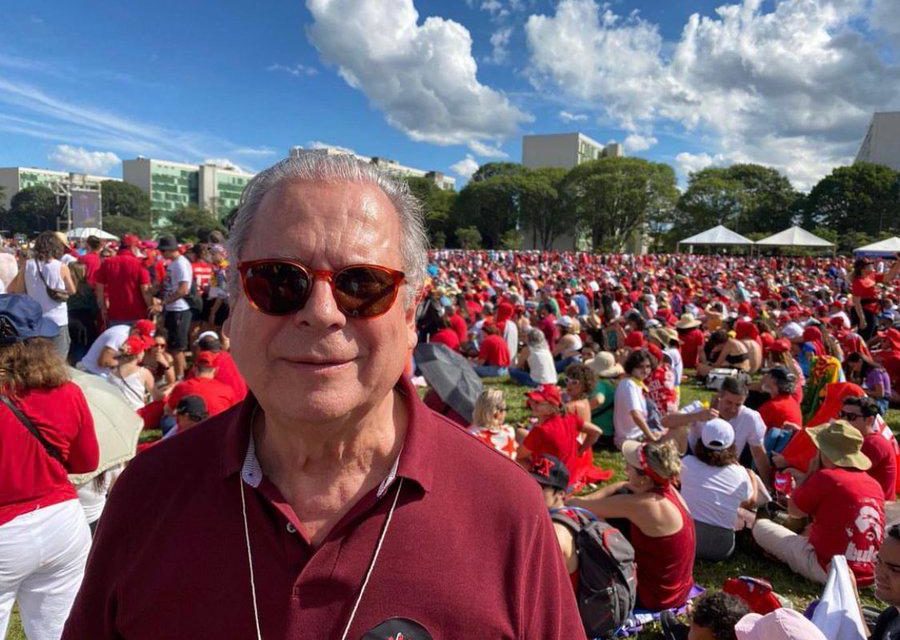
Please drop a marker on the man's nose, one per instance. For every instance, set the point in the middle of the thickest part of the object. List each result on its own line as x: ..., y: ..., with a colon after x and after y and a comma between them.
x: 320, y: 310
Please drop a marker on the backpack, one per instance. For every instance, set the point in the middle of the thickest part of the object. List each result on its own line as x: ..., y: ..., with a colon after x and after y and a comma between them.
x: 607, y: 582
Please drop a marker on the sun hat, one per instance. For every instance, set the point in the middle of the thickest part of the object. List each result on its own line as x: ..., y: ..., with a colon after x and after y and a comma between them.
x: 546, y: 393
x: 841, y: 443
x: 604, y: 365
x: 21, y: 318
x: 550, y: 471
x: 781, y: 624
x: 687, y: 321
x: 717, y: 434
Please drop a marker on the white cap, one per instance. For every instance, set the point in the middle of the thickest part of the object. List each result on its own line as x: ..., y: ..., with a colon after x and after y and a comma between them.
x: 565, y: 321
x: 792, y: 331
x: 206, y: 334
x: 717, y: 434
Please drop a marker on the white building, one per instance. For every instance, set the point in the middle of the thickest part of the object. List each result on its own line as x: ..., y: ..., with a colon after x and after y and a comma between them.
x: 564, y: 150
x: 882, y: 142
x: 388, y: 166
x: 14, y: 179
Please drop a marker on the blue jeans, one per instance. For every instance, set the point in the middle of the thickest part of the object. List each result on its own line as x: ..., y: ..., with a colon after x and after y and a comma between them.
x: 520, y: 376
x: 565, y: 362
x: 490, y: 371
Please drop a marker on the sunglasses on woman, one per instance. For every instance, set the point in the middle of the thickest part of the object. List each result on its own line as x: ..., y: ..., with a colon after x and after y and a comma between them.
x: 279, y: 287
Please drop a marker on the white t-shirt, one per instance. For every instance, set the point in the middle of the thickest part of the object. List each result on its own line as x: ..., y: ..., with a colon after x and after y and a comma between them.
x: 178, y: 271
x: 749, y: 428
x: 677, y: 363
x: 713, y: 494
x: 114, y: 338
x: 541, y: 366
x: 629, y: 396
x: 35, y: 288
x: 511, y: 335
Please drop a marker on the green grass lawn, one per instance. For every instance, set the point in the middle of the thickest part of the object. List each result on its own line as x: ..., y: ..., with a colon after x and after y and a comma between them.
x: 746, y: 561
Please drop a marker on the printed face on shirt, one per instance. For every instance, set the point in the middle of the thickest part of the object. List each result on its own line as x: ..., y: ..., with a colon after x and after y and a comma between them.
x: 317, y: 363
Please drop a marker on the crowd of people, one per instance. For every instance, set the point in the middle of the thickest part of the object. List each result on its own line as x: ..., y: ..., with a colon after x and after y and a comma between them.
x: 793, y: 451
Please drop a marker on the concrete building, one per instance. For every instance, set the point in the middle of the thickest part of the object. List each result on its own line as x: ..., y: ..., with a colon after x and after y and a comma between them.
x: 564, y: 150
x: 174, y: 185
x: 387, y: 165
x: 14, y: 179
x: 882, y: 142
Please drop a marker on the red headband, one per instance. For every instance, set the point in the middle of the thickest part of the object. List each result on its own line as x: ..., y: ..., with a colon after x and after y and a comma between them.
x: 647, y: 469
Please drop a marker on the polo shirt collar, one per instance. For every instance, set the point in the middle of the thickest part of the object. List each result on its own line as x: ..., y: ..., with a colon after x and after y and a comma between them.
x: 415, y: 462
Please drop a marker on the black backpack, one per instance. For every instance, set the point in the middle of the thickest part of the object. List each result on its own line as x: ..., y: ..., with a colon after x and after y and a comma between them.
x: 607, y: 584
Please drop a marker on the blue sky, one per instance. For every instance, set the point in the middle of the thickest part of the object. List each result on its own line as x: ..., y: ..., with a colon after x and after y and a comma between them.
x: 445, y: 85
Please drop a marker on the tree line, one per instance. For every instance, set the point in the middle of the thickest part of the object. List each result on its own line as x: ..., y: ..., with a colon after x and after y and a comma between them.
x: 605, y: 203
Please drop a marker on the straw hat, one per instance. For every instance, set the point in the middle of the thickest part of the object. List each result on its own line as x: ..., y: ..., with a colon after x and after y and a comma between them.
x: 605, y: 366
x: 687, y: 321
x: 841, y: 444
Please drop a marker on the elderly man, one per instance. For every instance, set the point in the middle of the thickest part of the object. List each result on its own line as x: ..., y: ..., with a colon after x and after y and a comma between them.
x: 331, y: 503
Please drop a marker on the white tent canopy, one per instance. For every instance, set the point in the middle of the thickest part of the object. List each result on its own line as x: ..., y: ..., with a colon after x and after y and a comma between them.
x: 794, y: 237
x: 83, y: 233
x: 887, y: 247
x: 718, y: 236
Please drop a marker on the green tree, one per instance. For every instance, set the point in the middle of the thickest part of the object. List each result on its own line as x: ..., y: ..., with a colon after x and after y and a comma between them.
x: 746, y: 198
x: 495, y: 169
x: 192, y: 224
x: 541, y: 209
x: 861, y: 197
x: 512, y: 240
x: 468, y: 238
x: 32, y: 210
x: 491, y: 206
x: 616, y: 197
x: 437, y: 204
x: 120, y: 225
x: 123, y: 199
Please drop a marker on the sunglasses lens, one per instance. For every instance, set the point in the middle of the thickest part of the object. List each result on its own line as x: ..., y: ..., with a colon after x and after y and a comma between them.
x: 277, y: 288
x: 364, y: 292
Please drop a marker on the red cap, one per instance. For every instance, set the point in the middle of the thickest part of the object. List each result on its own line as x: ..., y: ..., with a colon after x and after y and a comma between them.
x: 655, y: 351
x: 635, y: 340
x: 134, y: 346
x: 546, y: 393
x: 145, y: 328
x: 130, y: 240
x: 780, y: 346
x: 206, y: 359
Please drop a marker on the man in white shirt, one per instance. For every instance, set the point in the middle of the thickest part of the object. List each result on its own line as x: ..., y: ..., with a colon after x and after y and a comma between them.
x: 101, y: 357
x: 177, y: 312
x: 749, y: 428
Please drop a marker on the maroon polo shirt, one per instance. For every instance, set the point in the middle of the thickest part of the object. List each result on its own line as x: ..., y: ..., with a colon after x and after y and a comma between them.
x: 470, y: 550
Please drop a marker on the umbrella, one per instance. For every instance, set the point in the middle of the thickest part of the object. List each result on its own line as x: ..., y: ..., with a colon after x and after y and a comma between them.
x: 451, y: 376
x: 83, y: 233
x: 117, y: 425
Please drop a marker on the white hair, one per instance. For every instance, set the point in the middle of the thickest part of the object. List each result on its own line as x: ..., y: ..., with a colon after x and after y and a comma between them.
x: 337, y: 168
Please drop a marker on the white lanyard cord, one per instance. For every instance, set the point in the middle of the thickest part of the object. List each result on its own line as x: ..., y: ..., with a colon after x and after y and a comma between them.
x: 365, y: 583
x: 249, y: 558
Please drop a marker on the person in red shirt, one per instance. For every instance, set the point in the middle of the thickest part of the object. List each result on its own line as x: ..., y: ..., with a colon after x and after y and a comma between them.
x: 445, y: 335
x: 846, y: 506
x: 217, y: 395
x: 91, y: 259
x: 44, y: 536
x: 493, y: 354
x: 458, y: 323
x: 692, y: 339
x: 226, y: 369
x: 865, y: 298
x: 862, y: 413
x: 547, y: 325
x: 781, y: 407
x: 122, y: 285
x: 662, y: 530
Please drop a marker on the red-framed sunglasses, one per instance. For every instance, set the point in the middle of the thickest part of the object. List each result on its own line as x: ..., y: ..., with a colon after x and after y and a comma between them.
x: 279, y: 287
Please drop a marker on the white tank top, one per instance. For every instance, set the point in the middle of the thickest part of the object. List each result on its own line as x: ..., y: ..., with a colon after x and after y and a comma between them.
x: 131, y: 386
x: 34, y: 287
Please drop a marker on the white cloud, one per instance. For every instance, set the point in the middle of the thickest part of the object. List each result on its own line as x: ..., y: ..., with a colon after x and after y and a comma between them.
x: 565, y: 116
x: 636, y: 142
x: 422, y: 76
x: 688, y: 163
x: 465, y: 167
x: 487, y: 151
x: 297, y: 70
x: 792, y: 86
x: 500, y: 43
x: 84, y: 161
x: 255, y: 151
